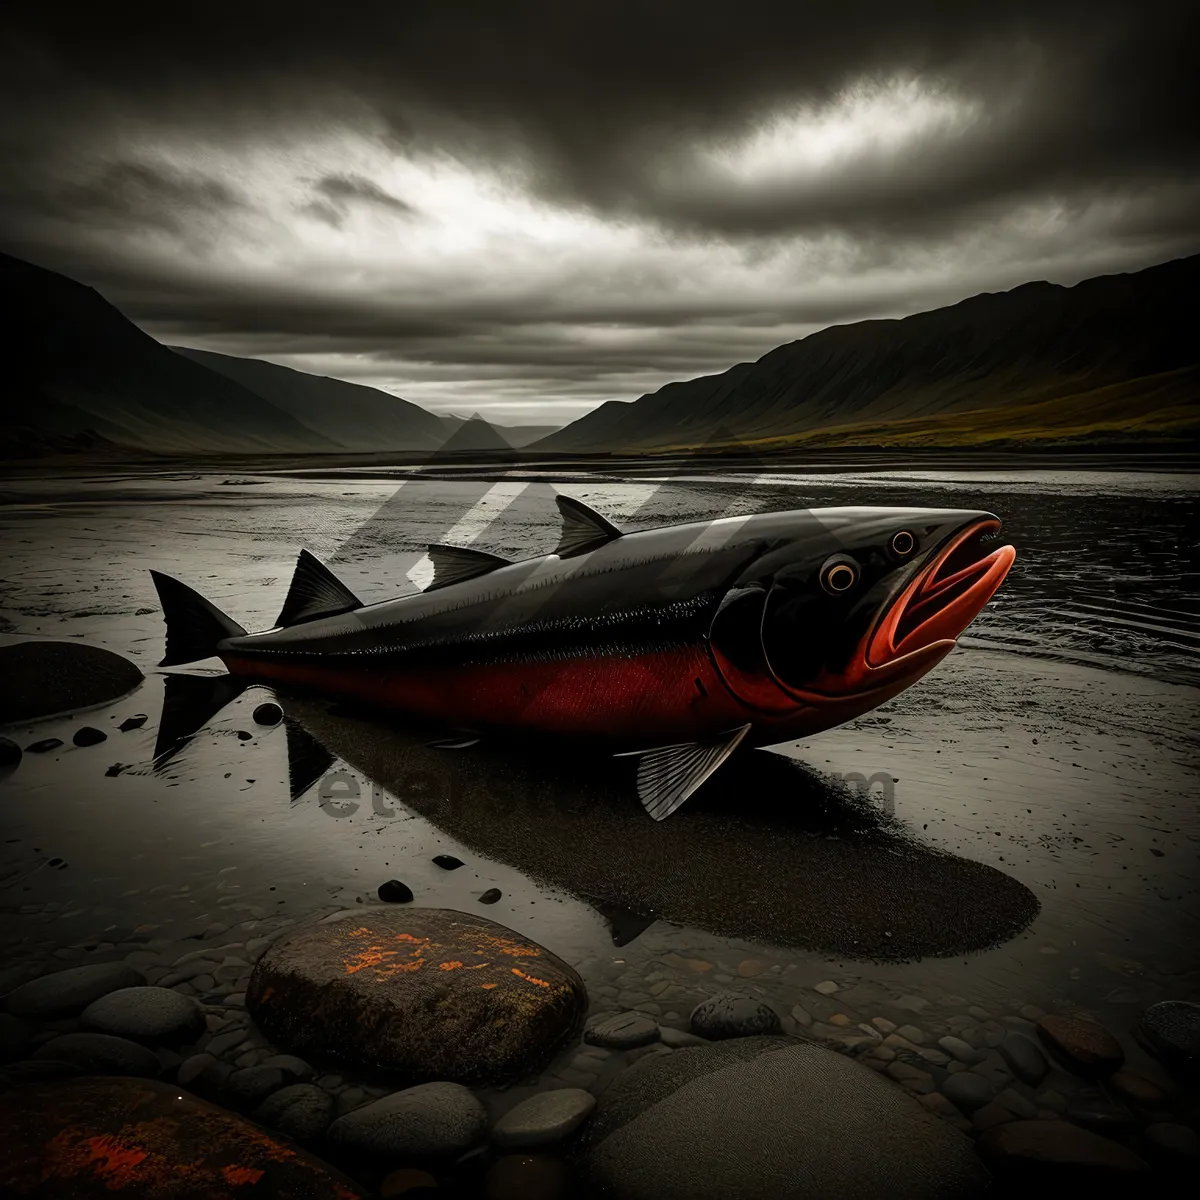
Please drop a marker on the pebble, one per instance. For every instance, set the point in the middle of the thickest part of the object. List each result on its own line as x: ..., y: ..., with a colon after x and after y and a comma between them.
x: 1170, y: 1143
x: 101, y: 1054
x: 152, y: 1014
x: 490, y: 896
x: 88, y: 735
x: 249, y: 1085
x: 1137, y: 1088
x: 622, y: 1031
x: 960, y: 1050
x: 394, y: 892
x: 65, y: 993
x: 674, y: 1039
x: 991, y: 1115
x: 968, y: 1090
x: 1086, y: 1047
x: 1100, y: 1116
x: 302, y: 1111
x: 1017, y: 1104
x: 432, y: 1119
x: 884, y: 1025
x: 447, y: 862
x: 45, y: 745
x: 1172, y: 1030
x: 1024, y: 1058
x: 134, y: 722
x: 729, y: 1015
x: 912, y: 1034
x: 191, y: 1068
x: 827, y: 988
x: 222, y: 1043
x: 1046, y: 1144
x: 267, y: 714
x: 543, y: 1118
x: 289, y: 1064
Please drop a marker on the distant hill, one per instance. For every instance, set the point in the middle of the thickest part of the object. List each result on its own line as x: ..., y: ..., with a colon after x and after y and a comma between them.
x: 516, y: 436
x: 346, y: 414
x: 1115, y: 358
x: 75, y: 365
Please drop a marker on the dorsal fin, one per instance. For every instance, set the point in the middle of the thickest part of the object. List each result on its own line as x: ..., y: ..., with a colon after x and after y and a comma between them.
x: 315, y: 592
x: 584, y: 528
x: 455, y: 564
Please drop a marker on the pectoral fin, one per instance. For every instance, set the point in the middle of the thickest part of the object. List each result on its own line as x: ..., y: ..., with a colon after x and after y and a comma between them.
x: 668, y: 775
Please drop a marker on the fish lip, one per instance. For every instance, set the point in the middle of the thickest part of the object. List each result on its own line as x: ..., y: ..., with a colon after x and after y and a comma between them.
x: 943, y: 597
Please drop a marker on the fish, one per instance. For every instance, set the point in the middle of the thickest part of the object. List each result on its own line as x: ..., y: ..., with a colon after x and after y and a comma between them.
x: 677, y: 645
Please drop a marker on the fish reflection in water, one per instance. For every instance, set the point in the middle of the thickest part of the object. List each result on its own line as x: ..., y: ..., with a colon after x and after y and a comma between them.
x: 770, y: 850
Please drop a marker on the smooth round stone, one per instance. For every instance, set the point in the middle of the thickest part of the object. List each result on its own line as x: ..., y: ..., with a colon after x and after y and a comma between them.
x: 42, y: 678
x: 67, y: 993
x: 1024, y: 1058
x: 15, y: 1038
x: 88, y: 735
x: 289, y: 1064
x: 395, y: 892
x: 968, y: 1091
x: 447, y: 862
x: 1102, y: 1117
x: 490, y: 896
x: 964, y: 1052
x: 428, y: 993
x: 1168, y: 1142
x: 622, y: 1031
x: 152, y: 1014
x: 544, y: 1118
x: 1172, y: 1029
x: 527, y: 1177
x: 302, y: 1111
x: 1038, y: 1146
x: 748, y: 1118
x: 1086, y: 1047
x: 729, y: 1015
x: 252, y: 1084
x: 44, y: 746
x: 94, y: 1138
x: 267, y: 714
x: 1137, y: 1089
x: 433, y: 1119
x: 102, y: 1054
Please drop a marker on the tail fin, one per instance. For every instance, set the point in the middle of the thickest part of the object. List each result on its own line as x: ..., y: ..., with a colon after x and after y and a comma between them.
x: 194, y: 626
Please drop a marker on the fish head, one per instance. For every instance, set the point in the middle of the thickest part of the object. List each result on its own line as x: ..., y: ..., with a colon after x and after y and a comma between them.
x: 855, y: 604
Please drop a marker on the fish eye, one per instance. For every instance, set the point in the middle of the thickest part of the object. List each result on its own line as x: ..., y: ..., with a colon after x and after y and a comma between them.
x: 903, y: 543
x: 839, y: 574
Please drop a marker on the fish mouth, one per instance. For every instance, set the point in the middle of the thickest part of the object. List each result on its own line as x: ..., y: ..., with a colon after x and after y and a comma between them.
x: 944, y: 596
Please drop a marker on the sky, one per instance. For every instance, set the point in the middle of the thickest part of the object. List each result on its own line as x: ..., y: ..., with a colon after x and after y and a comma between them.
x: 526, y: 208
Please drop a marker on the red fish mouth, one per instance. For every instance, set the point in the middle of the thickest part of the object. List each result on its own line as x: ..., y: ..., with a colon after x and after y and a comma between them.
x: 944, y: 597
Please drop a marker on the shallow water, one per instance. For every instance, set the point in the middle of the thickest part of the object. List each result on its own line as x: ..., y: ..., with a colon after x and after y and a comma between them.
x: 1057, y: 745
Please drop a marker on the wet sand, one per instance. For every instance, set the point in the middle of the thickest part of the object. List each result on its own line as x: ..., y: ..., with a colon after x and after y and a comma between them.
x: 1055, y: 870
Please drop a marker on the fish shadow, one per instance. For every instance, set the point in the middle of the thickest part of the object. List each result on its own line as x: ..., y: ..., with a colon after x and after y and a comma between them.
x: 769, y: 849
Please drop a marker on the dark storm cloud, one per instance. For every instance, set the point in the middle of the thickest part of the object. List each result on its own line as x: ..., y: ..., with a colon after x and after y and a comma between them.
x: 616, y: 108
x: 592, y: 95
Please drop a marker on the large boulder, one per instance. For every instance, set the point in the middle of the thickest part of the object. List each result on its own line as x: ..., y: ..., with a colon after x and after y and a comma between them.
x: 426, y: 992
x: 770, y: 1116
x: 42, y: 678
x: 152, y: 1014
x: 137, y: 1138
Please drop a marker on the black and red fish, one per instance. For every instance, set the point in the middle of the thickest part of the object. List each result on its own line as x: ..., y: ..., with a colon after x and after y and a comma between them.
x: 677, y: 644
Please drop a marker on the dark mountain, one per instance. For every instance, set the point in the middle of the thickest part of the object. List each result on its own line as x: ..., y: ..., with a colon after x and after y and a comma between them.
x: 1112, y: 358
x: 76, y: 366
x: 354, y: 416
x: 516, y: 436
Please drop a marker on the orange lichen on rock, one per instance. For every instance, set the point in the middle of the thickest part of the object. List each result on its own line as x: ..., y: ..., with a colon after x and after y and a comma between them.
x: 240, y: 1176
x: 531, y: 978
x: 372, y: 956
x: 449, y: 966
x: 106, y: 1157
